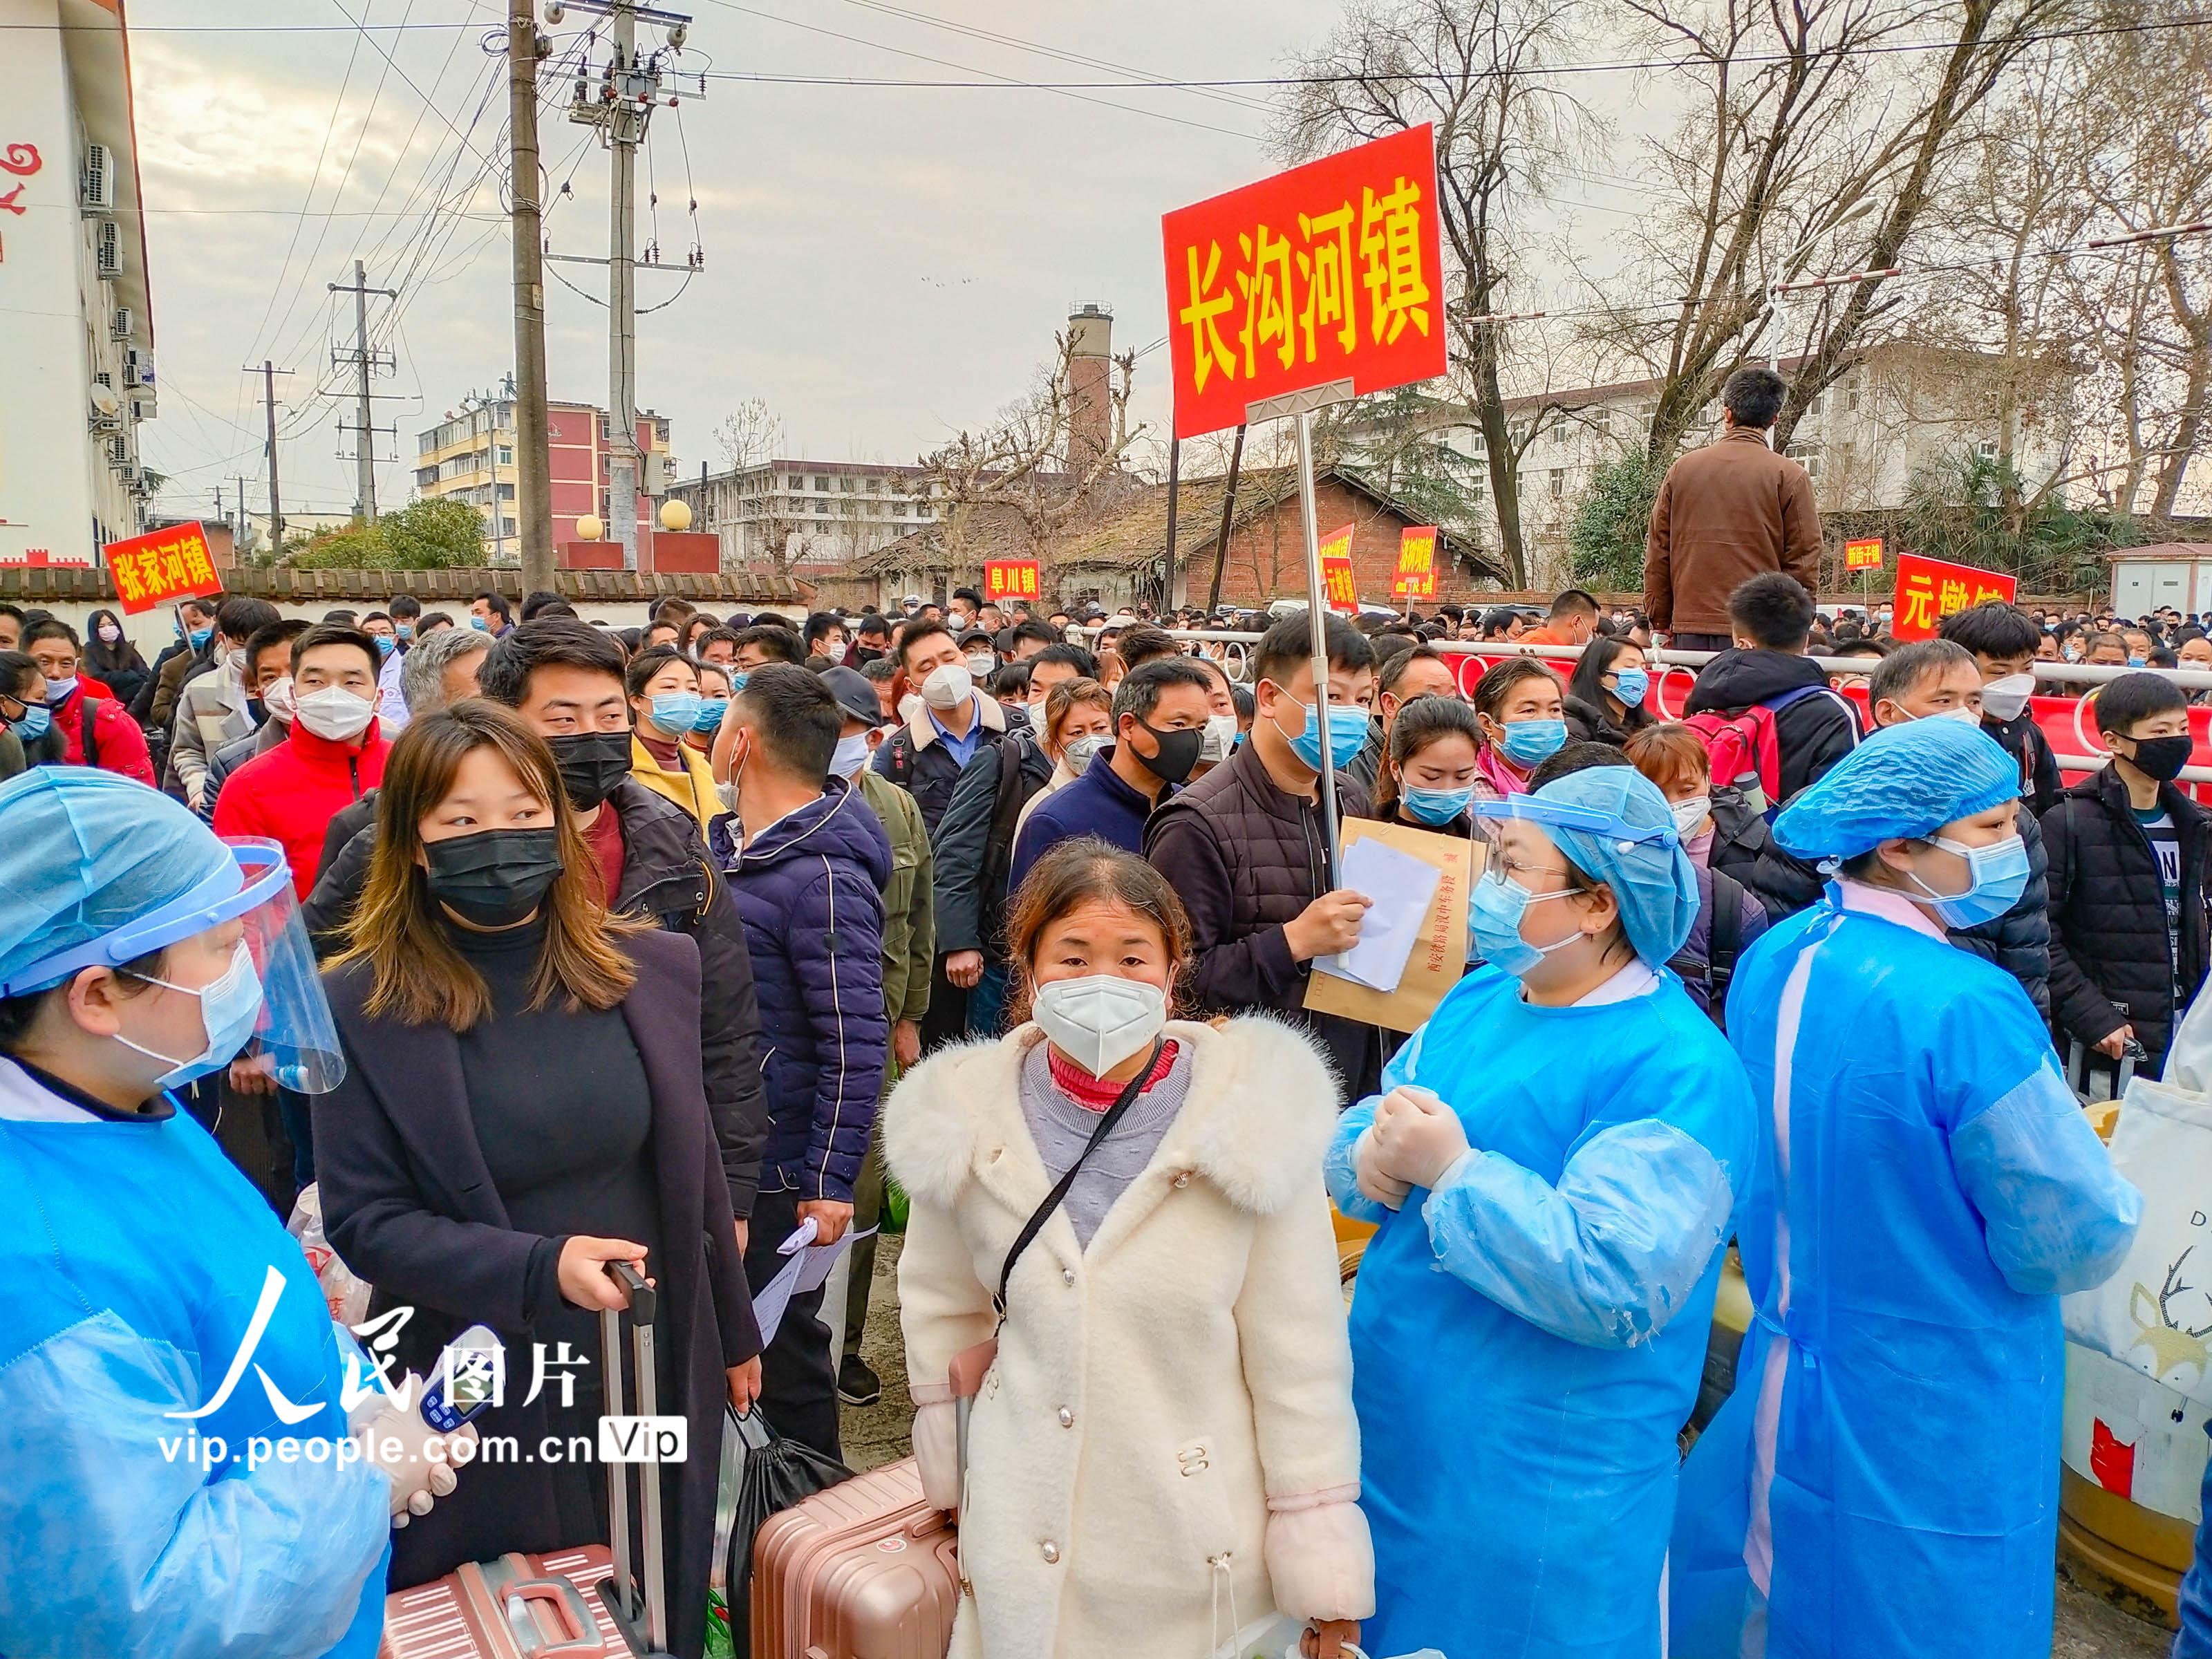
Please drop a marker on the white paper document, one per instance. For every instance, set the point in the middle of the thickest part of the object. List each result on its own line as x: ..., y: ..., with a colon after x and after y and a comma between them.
x: 805, y: 1271
x: 1401, y: 887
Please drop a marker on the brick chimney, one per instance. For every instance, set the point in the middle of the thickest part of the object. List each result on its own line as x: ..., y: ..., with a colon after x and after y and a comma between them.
x: 1090, y: 386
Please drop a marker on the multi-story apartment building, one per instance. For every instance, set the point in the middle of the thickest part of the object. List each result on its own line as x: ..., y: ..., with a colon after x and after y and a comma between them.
x: 77, y: 324
x: 470, y: 455
x: 820, y: 515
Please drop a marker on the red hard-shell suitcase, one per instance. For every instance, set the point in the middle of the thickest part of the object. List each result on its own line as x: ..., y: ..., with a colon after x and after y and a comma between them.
x: 867, y: 1570
x: 568, y: 1604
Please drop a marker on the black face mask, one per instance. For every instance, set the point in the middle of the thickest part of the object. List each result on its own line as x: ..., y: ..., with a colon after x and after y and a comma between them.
x: 2162, y: 757
x: 254, y: 711
x: 495, y: 876
x: 1178, y: 752
x: 867, y: 654
x: 592, y: 763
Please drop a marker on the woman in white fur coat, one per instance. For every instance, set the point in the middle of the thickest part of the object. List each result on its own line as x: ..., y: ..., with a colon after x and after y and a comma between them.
x: 1164, y: 1449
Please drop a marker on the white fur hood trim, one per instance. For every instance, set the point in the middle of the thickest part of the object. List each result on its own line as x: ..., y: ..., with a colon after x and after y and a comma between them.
x: 1257, y: 1120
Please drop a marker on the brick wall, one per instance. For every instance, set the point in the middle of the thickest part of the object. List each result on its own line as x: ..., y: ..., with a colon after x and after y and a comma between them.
x: 1267, y: 555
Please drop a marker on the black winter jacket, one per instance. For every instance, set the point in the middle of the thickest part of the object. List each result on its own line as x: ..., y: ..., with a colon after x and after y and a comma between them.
x: 2018, y: 941
x: 2023, y: 739
x: 1245, y: 858
x: 666, y: 875
x: 1589, y: 722
x: 2109, y: 964
x: 916, y: 758
x: 973, y: 845
x: 1812, y: 733
x: 1743, y: 848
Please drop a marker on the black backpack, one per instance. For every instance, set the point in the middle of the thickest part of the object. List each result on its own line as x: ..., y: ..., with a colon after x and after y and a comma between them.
x: 1723, y: 943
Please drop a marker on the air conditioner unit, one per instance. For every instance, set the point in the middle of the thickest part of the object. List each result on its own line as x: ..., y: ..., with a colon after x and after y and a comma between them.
x: 100, y: 177
x: 107, y: 248
x: 143, y: 409
x: 131, y: 375
x: 120, y: 325
x: 119, y: 451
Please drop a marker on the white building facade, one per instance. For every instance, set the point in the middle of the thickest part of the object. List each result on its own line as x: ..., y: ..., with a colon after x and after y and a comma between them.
x: 76, y: 327
x: 821, y: 514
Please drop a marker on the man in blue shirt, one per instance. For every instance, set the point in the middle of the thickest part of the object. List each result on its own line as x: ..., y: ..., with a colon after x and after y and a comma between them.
x: 947, y: 719
x: 1160, y: 710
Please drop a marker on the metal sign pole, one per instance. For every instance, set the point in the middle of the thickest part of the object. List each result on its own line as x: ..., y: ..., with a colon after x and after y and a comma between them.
x: 1317, y: 619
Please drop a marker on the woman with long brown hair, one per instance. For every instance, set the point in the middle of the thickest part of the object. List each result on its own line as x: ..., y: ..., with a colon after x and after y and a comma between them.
x: 1166, y: 1444
x: 523, y: 1106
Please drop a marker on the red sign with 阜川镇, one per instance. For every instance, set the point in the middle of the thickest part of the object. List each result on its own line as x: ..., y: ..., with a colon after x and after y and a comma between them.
x: 1011, y: 578
x: 1417, y: 563
x: 1863, y: 554
x: 161, y: 567
x: 1337, y: 579
x: 1331, y: 272
x: 1929, y: 590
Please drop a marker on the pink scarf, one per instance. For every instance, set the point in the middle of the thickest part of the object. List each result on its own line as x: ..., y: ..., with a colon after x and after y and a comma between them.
x: 1494, y: 767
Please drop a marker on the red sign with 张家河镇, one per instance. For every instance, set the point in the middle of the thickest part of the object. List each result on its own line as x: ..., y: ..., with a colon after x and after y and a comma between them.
x: 1929, y: 590
x: 162, y: 566
x: 1331, y: 272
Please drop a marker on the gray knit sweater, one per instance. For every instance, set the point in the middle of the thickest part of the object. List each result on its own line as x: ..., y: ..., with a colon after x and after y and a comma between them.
x: 1061, y: 1128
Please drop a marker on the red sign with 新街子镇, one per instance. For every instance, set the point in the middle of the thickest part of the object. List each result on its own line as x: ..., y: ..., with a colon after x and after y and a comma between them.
x: 161, y: 567
x: 1331, y: 272
x: 1929, y: 590
x: 1863, y: 553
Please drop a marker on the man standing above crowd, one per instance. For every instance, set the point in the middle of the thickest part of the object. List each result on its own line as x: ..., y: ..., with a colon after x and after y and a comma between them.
x: 1727, y: 513
x: 1245, y: 848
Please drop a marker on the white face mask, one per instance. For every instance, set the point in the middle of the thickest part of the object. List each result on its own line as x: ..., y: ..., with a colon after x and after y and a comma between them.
x: 2004, y: 699
x: 849, y: 756
x: 947, y: 687
x: 1079, y: 753
x: 279, y: 700
x: 1100, y: 1020
x: 980, y: 665
x: 334, y: 712
x: 1220, y: 738
x: 1690, y: 815
x: 1962, y: 713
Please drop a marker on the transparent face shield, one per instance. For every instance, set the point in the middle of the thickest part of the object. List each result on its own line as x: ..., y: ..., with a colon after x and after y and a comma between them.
x: 1572, y: 815
x: 294, y: 1039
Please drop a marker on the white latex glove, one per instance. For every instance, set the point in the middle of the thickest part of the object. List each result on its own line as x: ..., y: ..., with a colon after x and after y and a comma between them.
x: 1417, y: 1136
x: 418, y: 1459
x: 937, y: 1453
x: 1367, y: 1175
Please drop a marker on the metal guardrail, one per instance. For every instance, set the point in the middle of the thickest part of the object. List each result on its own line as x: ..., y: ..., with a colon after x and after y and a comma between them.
x: 2064, y: 673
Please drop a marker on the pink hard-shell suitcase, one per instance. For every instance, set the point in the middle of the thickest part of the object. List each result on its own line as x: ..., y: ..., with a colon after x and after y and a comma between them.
x: 867, y: 1570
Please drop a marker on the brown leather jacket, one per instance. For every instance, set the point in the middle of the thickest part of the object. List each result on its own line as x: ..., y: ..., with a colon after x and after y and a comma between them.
x: 1727, y: 513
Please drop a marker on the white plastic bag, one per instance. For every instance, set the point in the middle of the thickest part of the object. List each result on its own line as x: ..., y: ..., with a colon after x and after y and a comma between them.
x: 346, y: 1293
x: 2154, y: 1314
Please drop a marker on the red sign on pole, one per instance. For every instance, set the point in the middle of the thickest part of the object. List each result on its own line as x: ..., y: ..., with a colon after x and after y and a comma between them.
x: 1929, y: 590
x: 1336, y: 574
x: 1864, y: 554
x: 1330, y: 271
x: 1417, y: 563
x: 1011, y: 578
x: 161, y: 567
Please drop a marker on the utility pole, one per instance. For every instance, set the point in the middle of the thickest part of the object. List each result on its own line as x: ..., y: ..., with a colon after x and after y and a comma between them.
x: 533, y: 469
x: 625, y: 128
x: 269, y: 372
x: 365, y: 431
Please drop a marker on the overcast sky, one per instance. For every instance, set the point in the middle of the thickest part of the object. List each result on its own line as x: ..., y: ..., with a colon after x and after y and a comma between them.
x: 883, y: 265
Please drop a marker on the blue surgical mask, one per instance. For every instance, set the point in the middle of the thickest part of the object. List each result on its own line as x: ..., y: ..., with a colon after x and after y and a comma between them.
x: 2135, y: 662
x: 1436, y: 806
x: 37, y: 720
x: 228, y: 1007
x: 480, y: 624
x: 1347, y: 732
x: 385, y: 643
x: 1528, y: 742
x: 677, y: 712
x: 200, y: 636
x: 406, y: 630
x: 1493, y: 917
x: 711, y: 710
x: 1996, y: 877
x: 738, y: 683
x: 1631, y: 686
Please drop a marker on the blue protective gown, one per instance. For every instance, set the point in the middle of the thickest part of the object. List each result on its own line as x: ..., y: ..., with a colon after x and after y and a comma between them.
x: 133, y: 1257
x: 1527, y: 1339
x: 1926, y: 1187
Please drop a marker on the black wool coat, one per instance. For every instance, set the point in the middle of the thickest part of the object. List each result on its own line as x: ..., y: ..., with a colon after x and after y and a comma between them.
x: 409, y: 1204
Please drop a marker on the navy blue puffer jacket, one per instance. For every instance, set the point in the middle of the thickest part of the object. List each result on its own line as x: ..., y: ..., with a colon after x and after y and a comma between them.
x: 810, y: 889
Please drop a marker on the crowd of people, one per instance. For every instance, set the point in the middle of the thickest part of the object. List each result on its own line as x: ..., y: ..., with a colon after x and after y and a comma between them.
x: 535, y: 945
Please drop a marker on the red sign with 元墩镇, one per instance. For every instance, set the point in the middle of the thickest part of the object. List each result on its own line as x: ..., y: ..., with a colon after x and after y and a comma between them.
x: 1929, y: 590
x: 1330, y: 271
x: 161, y: 567
x: 1011, y: 578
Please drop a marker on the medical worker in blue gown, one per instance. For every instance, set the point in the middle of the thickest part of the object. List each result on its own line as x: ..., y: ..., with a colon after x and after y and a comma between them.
x: 1884, y: 1481
x: 1553, y: 1160
x: 140, y: 1514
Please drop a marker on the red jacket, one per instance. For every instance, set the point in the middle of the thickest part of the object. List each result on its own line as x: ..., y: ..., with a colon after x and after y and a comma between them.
x: 291, y: 793
x: 115, y: 735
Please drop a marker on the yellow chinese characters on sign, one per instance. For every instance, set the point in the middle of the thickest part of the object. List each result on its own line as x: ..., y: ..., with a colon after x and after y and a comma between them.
x: 1863, y: 554
x: 1417, y: 563
x: 1327, y: 272
x: 1929, y: 590
x: 161, y: 567
x: 1336, y: 572
x: 1011, y: 579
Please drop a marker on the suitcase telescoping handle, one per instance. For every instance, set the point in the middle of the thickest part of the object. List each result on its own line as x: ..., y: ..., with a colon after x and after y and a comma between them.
x: 648, y: 1635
